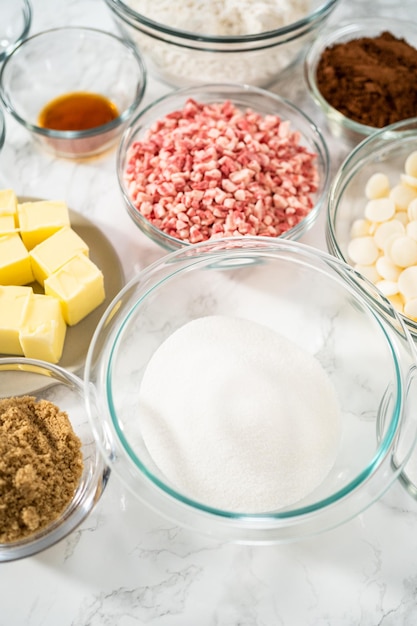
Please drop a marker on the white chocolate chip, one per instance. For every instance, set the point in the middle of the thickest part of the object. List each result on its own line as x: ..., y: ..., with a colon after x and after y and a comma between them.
x: 386, y: 229
x: 410, y: 166
x: 412, y: 210
x: 404, y: 251
x: 407, y: 283
x: 388, y: 243
x: 363, y: 250
x: 411, y: 181
x: 402, y: 195
x: 380, y: 209
x: 377, y: 186
x: 411, y: 230
x: 360, y: 228
x: 387, y: 269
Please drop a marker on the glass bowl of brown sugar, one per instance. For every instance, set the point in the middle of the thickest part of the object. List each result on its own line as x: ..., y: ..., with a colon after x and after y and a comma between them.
x: 363, y: 75
x: 51, y: 472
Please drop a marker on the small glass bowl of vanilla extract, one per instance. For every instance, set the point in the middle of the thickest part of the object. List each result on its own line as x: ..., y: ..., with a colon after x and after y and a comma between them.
x: 73, y: 88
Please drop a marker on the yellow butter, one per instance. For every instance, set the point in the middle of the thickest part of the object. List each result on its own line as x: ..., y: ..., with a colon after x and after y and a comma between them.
x: 79, y: 286
x: 39, y: 220
x: 13, y: 304
x: 15, y: 263
x: 7, y: 224
x: 50, y: 255
x: 43, y: 329
x: 8, y: 203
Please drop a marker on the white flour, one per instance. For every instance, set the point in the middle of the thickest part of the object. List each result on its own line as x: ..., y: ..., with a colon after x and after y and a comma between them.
x: 180, y: 66
x: 237, y: 416
x: 223, y: 17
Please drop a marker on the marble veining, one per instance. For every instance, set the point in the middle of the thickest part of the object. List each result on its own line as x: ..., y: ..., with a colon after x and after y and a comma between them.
x: 125, y: 565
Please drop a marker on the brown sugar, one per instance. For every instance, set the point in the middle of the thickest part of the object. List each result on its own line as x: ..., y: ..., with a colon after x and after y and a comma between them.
x: 40, y: 465
x: 372, y: 80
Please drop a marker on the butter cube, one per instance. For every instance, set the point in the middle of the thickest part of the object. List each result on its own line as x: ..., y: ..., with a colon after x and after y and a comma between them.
x: 8, y: 203
x: 13, y: 304
x: 7, y: 225
x: 79, y: 286
x: 39, y: 220
x: 15, y: 264
x: 43, y: 329
x: 50, y: 255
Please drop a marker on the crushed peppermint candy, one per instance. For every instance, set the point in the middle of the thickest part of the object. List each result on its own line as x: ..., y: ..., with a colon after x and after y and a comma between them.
x: 212, y: 170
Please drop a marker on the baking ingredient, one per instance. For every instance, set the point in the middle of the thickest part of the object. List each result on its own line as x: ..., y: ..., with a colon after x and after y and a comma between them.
x: 223, y: 17
x: 383, y: 244
x: 39, y: 220
x: 39, y: 241
x: 15, y: 265
x: 40, y: 465
x: 78, y: 111
x: 43, y: 329
x: 79, y: 287
x: 247, y: 421
x: 13, y: 303
x: 180, y: 65
x: 371, y: 80
x: 52, y: 253
x: 8, y: 203
x: 211, y: 170
x: 7, y: 224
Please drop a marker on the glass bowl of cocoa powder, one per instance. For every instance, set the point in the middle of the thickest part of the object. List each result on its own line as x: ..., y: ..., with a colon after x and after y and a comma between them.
x: 363, y: 75
x: 51, y: 472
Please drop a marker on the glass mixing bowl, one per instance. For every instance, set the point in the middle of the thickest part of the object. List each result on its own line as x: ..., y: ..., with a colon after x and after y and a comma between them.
x: 61, y: 62
x: 243, y: 97
x: 189, y: 45
x: 21, y: 377
x: 310, y: 298
x: 383, y: 152
x: 339, y: 124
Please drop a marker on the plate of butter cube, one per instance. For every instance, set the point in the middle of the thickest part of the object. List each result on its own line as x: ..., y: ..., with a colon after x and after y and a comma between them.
x: 58, y: 273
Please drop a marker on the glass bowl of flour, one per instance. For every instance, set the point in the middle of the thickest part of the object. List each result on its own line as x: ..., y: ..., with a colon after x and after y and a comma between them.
x: 254, y: 390
x: 187, y: 43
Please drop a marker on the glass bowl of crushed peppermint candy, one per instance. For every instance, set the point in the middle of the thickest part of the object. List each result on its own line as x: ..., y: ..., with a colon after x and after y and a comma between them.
x: 222, y: 160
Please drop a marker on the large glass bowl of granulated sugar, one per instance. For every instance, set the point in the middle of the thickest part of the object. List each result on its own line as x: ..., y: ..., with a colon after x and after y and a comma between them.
x: 253, y: 390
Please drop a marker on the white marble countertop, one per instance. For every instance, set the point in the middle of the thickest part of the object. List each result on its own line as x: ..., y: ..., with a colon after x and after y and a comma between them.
x: 125, y: 565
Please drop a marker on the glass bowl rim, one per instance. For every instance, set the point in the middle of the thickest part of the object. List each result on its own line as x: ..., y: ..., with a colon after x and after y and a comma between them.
x: 27, y: 23
x: 77, y: 134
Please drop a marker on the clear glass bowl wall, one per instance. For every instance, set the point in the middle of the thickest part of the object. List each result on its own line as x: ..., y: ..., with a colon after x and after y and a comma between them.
x: 313, y: 300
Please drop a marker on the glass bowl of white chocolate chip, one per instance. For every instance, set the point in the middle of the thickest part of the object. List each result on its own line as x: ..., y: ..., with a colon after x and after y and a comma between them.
x: 372, y: 215
x: 246, y: 388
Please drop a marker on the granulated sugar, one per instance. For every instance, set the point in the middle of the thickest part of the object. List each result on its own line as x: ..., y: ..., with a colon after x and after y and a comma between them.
x: 237, y: 416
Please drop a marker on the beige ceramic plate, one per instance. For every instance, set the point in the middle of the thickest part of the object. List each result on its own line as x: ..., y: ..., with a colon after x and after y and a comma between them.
x: 102, y: 253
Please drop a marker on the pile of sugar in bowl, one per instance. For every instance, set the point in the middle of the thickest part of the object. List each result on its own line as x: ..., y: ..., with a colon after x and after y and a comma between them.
x: 248, y: 421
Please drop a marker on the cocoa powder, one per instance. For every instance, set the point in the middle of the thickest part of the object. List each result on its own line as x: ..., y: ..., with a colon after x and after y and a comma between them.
x: 372, y: 80
x: 40, y: 465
